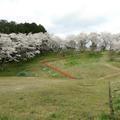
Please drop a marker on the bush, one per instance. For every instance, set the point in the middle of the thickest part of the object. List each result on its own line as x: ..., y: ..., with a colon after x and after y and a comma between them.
x: 95, y: 54
x: 5, y: 117
x: 104, y: 116
x: 25, y: 74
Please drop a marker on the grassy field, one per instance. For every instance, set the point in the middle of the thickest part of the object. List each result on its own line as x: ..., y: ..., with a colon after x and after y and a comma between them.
x: 33, y: 91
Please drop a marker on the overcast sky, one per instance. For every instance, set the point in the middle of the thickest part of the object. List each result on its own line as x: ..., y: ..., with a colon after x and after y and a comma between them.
x: 62, y: 17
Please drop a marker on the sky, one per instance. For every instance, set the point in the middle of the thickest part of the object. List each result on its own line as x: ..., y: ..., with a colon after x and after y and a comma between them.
x: 64, y: 17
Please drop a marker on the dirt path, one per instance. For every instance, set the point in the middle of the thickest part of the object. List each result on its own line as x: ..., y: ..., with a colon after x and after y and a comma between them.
x: 56, y: 69
x: 68, y: 75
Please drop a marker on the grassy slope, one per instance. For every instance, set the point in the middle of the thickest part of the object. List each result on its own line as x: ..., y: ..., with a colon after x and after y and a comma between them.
x: 53, y: 97
x: 33, y: 67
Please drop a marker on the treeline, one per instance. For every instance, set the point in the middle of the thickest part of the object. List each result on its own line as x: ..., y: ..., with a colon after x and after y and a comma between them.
x: 12, y: 27
x: 19, y: 47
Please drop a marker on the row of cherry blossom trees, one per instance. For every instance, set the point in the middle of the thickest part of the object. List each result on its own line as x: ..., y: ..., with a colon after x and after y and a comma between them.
x: 17, y: 47
x: 94, y: 41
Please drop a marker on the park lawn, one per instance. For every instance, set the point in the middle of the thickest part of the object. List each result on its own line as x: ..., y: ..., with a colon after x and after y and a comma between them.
x: 81, y: 65
x: 32, y: 91
x: 31, y: 68
x: 35, y: 98
x: 85, y: 66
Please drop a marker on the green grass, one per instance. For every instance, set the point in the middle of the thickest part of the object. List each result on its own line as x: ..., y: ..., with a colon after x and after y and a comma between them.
x: 31, y: 91
x: 36, y: 98
x: 116, y: 96
x: 51, y: 72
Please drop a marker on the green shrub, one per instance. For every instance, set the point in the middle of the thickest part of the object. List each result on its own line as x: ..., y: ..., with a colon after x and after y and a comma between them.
x: 104, y: 116
x: 45, y: 69
x: 95, y: 54
x: 5, y: 117
x: 25, y: 74
x: 55, y: 74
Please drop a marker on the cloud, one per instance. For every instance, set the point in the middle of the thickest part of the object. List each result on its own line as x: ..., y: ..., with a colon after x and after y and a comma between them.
x: 73, y: 23
x: 65, y: 16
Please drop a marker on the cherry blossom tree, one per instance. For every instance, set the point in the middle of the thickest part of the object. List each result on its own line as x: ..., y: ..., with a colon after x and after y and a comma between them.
x: 17, y: 47
x: 82, y: 40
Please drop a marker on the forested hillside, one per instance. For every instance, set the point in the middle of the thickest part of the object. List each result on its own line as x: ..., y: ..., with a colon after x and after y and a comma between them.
x: 13, y: 27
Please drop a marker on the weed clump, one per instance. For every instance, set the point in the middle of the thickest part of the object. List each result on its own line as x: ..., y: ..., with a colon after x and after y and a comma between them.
x: 25, y: 74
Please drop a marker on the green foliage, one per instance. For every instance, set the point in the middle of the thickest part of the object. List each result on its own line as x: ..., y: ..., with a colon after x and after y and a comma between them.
x: 104, y: 116
x: 114, y: 56
x: 71, y: 62
x: 25, y: 74
x: 111, y: 55
x: 50, y: 72
x: 55, y: 74
x: 95, y: 54
x: 4, y: 118
x: 117, y: 104
x: 7, y: 117
x: 13, y: 27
